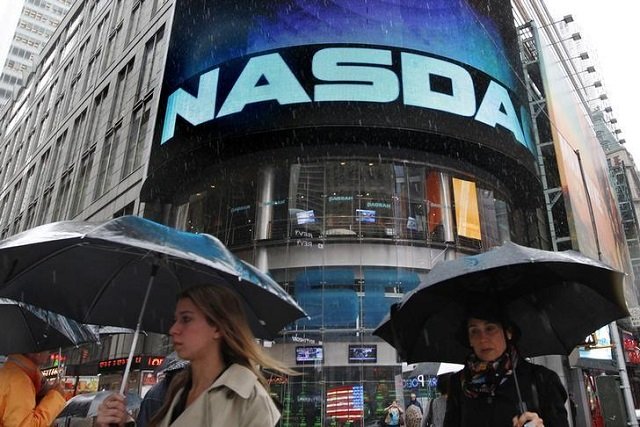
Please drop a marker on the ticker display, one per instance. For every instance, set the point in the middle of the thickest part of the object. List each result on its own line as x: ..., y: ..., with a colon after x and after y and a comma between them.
x: 436, y: 67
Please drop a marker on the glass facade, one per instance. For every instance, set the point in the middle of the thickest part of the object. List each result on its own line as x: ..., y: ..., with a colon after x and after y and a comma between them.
x: 349, y: 200
x: 347, y: 237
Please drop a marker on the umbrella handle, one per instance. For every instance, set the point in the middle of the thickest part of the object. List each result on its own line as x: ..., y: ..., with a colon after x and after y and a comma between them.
x: 136, y: 334
x: 522, y: 405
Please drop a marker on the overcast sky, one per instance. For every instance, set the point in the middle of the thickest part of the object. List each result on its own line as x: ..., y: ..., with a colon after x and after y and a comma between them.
x: 9, y: 14
x: 606, y: 27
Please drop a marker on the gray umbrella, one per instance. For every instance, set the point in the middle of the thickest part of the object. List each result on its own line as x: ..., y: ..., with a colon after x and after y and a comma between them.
x: 29, y: 329
x: 106, y: 273
x: 556, y: 299
x: 172, y: 362
x: 86, y: 405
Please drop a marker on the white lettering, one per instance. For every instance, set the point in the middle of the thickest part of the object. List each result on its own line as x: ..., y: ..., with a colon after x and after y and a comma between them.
x: 269, y: 78
x: 490, y: 112
x: 282, y: 85
x: 376, y: 84
x: 417, y: 90
x: 194, y: 109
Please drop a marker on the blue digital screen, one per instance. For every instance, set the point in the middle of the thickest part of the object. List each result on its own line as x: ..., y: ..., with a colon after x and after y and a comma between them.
x: 309, y: 354
x: 306, y: 217
x: 237, y: 68
x: 365, y: 215
x: 363, y: 353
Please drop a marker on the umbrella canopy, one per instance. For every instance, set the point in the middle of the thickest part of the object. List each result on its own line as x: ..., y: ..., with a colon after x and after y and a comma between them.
x: 172, y: 362
x: 86, y: 405
x: 556, y: 299
x: 97, y: 273
x: 29, y: 329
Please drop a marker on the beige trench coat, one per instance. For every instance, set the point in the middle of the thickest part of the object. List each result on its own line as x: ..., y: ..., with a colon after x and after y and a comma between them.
x: 235, y: 399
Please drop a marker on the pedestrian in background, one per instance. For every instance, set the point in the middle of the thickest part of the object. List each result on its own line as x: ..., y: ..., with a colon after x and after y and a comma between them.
x: 394, y: 414
x: 26, y: 399
x: 222, y: 385
x: 414, y: 401
x: 413, y: 414
x: 155, y: 397
x: 438, y: 406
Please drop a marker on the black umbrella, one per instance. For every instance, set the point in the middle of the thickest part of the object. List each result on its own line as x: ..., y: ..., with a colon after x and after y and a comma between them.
x: 29, y: 329
x: 106, y: 273
x: 556, y: 299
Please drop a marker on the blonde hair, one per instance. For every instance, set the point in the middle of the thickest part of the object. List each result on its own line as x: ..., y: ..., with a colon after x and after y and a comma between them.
x: 223, y: 308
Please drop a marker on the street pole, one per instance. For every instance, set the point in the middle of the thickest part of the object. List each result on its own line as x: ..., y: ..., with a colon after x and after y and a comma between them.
x: 624, y: 376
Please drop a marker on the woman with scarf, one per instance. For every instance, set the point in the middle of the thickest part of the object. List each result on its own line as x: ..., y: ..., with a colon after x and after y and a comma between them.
x: 485, y: 393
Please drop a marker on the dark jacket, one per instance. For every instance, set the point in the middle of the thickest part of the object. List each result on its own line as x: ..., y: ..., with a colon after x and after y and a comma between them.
x: 541, y: 390
x: 154, y: 399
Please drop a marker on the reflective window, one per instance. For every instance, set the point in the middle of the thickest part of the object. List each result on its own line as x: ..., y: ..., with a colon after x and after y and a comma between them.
x: 349, y: 200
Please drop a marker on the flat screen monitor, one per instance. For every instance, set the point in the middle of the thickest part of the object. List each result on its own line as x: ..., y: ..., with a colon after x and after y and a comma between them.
x: 309, y: 354
x: 365, y: 215
x: 363, y: 354
x: 306, y: 217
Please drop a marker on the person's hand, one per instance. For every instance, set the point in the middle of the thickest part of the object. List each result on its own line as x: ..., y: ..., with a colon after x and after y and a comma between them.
x: 113, y: 410
x: 55, y: 385
x: 528, y: 419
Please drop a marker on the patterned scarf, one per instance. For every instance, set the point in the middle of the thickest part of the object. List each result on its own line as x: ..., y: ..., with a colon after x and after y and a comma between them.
x: 482, y: 378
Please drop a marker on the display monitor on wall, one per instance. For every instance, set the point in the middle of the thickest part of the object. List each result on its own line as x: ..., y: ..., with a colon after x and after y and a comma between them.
x: 309, y: 354
x: 363, y: 353
x: 365, y: 215
x: 306, y: 217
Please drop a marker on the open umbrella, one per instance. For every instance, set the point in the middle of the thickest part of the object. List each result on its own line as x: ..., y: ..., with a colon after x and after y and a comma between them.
x: 556, y: 299
x: 29, y: 329
x: 86, y: 405
x: 172, y: 362
x: 106, y: 273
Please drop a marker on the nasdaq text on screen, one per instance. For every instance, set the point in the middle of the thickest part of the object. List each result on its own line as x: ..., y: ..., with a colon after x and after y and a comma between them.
x: 352, y: 74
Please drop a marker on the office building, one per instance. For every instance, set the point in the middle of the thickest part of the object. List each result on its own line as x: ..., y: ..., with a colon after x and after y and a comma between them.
x: 37, y: 22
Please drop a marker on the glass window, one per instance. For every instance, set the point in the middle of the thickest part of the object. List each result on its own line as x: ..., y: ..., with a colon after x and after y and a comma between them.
x: 354, y: 199
x: 106, y: 167
x: 341, y: 199
x: 437, y: 212
x: 132, y: 158
x: 82, y: 183
x: 466, y: 212
x: 374, y: 214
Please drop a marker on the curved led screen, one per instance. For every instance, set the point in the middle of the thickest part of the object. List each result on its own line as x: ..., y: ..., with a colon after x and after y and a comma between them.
x: 247, y: 67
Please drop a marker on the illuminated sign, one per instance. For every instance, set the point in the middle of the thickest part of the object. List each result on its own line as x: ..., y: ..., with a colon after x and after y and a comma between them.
x: 419, y: 381
x: 345, y: 403
x: 363, y: 354
x: 277, y: 380
x: 444, y: 75
x: 309, y: 354
x: 598, y: 345
x: 367, y: 78
x: 138, y: 362
x: 631, y: 349
x: 52, y: 372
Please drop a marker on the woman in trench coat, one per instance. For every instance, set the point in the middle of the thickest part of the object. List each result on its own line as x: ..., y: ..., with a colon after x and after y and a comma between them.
x: 222, y: 386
